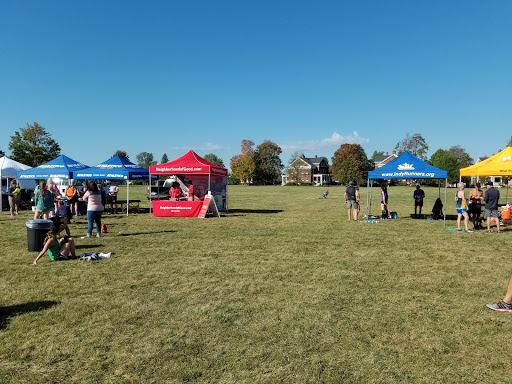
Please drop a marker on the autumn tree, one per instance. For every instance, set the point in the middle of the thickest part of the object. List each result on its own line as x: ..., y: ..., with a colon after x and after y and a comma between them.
x: 414, y: 144
x: 242, y: 166
x: 165, y: 159
x: 214, y: 159
x: 145, y: 159
x: 350, y: 163
x: 267, y: 162
x: 121, y: 153
x: 446, y: 160
x: 33, y: 146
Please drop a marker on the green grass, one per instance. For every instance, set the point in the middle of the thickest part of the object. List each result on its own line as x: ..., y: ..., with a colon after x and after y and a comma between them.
x: 282, y: 289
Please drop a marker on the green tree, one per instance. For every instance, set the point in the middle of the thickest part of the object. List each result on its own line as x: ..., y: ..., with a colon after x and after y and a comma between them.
x: 463, y: 158
x: 33, y: 146
x: 121, y: 153
x: 509, y: 144
x: 445, y: 159
x: 415, y: 144
x: 145, y: 159
x: 165, y: 159
x: 350, y: 163
x: 2, y: 153
x: 267, y: 162
x: 214, y: 159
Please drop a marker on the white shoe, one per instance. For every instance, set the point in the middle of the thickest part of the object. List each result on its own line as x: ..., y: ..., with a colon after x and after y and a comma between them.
x: 98, y: 235
x: 86, y: 237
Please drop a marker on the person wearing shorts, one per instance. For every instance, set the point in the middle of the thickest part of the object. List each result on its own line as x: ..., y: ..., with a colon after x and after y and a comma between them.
x: 419, y: 195
x: 475, y: 209
x: 461, y: 205
x: 351, y: 200
x: 112, y: 196
x: 491, y: 198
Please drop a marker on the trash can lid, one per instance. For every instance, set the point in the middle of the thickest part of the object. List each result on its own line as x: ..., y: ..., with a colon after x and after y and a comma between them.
x: 39, y: 224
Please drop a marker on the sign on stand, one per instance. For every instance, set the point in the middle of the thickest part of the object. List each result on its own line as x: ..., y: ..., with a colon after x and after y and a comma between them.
x: 208, y: 204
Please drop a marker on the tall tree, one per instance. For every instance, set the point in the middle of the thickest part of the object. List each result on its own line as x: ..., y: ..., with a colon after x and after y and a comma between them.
x: 214, y: 159
x: 121, y: 153
x: 509, y: 144
x: 415, y: 144
x: 165, y: 159
x: 463, y: 158
x: 33, y: 146
x: 145, y: 159
x: 446, y: 160
x: 243, y: 166
x: 350, y: 163
x: 267, y: 162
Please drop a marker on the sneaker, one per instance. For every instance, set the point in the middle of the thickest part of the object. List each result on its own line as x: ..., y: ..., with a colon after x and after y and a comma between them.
x: 98, y: 235
x: 500, y: 306
x: 489, y: 231
x: 86, y: 237
x: 500, y: 232
x: 469, y: 231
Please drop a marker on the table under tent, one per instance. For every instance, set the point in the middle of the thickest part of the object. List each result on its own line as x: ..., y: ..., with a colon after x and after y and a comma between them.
x: 407, y: 166
x: 499, y: 164
x: 116, y: 168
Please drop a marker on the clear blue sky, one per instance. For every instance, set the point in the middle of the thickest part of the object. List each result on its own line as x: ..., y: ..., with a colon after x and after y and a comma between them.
x: 168, y: 76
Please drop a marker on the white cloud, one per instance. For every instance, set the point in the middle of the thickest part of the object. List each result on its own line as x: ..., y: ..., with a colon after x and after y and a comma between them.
x: 329, y: 143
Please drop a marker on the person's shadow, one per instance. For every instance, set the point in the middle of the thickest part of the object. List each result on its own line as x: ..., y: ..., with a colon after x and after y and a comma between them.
x: 6, y: 313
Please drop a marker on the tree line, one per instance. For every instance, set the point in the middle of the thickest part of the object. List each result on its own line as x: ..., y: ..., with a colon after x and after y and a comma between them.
x: 33, y: 146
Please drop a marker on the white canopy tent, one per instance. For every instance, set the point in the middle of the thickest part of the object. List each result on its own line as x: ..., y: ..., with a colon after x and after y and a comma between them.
x: 8, y: 169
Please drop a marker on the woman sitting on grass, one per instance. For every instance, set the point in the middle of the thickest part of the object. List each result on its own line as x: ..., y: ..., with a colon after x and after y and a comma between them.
x: 57, y: 250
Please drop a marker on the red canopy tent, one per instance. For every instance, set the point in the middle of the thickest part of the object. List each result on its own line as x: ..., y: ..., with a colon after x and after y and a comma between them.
x: 191, y: 164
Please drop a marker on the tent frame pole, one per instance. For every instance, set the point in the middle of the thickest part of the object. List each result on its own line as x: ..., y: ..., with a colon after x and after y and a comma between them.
x: 445, y: 195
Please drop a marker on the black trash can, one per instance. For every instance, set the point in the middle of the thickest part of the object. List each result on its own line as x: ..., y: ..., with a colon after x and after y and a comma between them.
x: 36, y: 233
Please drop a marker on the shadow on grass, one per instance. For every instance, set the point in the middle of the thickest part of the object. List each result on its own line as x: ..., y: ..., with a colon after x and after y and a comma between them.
x: 15, y: 310
x: 144, y: 233
x: 422, y: 217
x: 233, y: 212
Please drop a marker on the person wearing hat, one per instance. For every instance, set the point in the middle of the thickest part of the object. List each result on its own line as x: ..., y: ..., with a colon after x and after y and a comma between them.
x: 476, y: 196
x: 351, y: 199
x: 491, y: 198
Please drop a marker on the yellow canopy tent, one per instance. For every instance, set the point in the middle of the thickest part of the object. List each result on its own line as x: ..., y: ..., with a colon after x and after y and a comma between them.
x: 499, y: 164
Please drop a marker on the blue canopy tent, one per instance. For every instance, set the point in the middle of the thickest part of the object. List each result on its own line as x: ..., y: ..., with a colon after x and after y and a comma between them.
x: 116, y: 168
x: 61, y: 167
x: 408, y: 166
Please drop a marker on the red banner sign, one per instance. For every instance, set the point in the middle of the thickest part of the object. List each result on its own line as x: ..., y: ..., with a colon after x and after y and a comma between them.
x: 168, y: 208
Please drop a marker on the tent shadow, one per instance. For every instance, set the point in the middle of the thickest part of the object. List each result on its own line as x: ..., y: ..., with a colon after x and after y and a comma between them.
x: 19, y: 309
x: 232, y: 212
x: 144, y: 233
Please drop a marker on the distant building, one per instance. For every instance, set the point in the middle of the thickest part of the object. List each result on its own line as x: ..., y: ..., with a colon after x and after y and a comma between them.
x: 382, y: 160
x: 307, y: 170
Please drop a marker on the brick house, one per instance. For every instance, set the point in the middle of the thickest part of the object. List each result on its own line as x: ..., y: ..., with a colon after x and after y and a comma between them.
x: 382, y: 160
x: 304, y: 169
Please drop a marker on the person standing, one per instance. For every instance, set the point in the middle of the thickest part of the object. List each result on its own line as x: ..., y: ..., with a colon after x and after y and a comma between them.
x: 384, y: 201
x: 12, y: 198
x: 94, y: 209
x: 175, y: 192
x: 461, y: 205
x: 475, y: 209
x: 44, y: 201
x: 491, y: 198
x: 419, y: 195
x: 190, y: 191
x: 113, y: 190
x: 351, y: 200
x: 72, y: 195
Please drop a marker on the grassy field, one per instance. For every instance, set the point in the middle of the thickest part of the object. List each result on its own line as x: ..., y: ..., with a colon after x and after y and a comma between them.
x: 283, y: 289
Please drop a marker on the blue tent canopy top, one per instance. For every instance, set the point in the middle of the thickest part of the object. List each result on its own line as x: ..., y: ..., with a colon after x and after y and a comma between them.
x: 61, y: 167
x: 407, y: 166
x: 116, y: 168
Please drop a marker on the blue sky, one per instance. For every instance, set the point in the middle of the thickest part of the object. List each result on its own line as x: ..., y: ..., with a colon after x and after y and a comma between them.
x: 168, y: 76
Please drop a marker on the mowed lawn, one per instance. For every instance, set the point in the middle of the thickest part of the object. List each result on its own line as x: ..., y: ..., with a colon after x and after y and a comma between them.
x: 283, y: 288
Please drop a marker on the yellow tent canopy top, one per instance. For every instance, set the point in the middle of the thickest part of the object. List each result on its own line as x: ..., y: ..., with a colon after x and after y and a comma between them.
x: 499, y: 164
